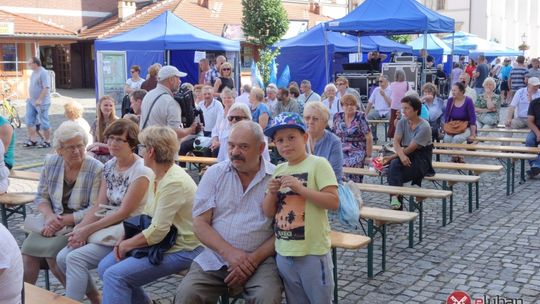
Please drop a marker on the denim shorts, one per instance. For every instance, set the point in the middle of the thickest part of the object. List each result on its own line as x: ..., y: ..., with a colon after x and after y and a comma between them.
x: 37, y: 115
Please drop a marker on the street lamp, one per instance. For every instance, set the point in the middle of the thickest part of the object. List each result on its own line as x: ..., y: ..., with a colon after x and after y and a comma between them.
x: 523, y: 47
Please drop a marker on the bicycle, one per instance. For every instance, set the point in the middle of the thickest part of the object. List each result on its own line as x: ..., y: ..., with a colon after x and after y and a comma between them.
x: 9, y: 111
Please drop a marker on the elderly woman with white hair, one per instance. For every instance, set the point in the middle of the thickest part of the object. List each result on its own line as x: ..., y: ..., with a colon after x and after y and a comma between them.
x: 236, y: 113
x: 68, y: 185
x: 322, y: 142
x: 487, y: 105
x: 331, y: 101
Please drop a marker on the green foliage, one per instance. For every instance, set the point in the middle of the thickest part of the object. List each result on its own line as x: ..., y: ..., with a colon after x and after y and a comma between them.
x: 264, y: 22
x: 403, y: 39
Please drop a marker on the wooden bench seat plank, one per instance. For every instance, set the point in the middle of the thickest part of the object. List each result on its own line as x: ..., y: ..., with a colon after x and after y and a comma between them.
x: 408, y: 191
x: 486, y: 154
x: 502, y: 139
x: 455, y: 178
x: 197, y: 160
x: 387, y: 215
x: 26, y: 175
x: 519, y: 149
x: 471, y: 167
x: 348, y: 240
x: 503, y: 130
x: 17, y: 198
x: 36, y: 295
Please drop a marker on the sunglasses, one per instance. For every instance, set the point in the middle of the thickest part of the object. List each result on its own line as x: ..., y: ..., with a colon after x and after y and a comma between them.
x: 236, y: 118
x: 226, y: 69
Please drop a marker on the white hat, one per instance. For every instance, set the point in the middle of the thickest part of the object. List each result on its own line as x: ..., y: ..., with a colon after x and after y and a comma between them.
x: 534, y: 81
x: 169, y: 71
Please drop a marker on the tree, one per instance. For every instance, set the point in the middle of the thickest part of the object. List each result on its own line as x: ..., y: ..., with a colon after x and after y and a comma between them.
x: 403, y: 39
x: 264, y: 22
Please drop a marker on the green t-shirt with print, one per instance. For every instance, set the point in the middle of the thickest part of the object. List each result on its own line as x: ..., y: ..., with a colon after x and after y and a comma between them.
x: 300, y: 226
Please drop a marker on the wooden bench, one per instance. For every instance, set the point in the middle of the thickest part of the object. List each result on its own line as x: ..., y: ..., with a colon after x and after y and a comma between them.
x: 506, y: 159
x: 380, y: 121
x: 377, y: 219
x: 25, y: 175
x: 346, y: 241
x: 446, y: 181
x: 36, y: 295
x: 505, y: 130
x: 419, y: 193
x: 520, y: 140
x: 14, y: 203
x: 509, y: 149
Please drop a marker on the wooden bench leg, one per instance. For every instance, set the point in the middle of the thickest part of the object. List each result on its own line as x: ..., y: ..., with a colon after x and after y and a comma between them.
x: 334, y: 261
x: 477, y: 195
x: 372, y: 232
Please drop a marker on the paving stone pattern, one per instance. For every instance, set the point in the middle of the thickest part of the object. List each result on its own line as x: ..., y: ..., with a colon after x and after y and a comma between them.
x: 494, y: 251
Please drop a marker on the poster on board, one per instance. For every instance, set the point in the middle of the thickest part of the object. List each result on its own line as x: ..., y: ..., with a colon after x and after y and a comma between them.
x: 111, y: 67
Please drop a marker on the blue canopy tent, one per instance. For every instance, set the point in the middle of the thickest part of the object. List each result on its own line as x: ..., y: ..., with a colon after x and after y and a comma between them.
x: 166, y: 39
x: 305, y: 53
x: 436, y: 48
x: 477, y: 46
x: 375, y: 17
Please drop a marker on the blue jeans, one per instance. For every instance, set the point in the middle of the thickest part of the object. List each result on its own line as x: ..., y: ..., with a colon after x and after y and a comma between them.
x: 531, y: 141
x: 123, y: 281
x: 37, y: 115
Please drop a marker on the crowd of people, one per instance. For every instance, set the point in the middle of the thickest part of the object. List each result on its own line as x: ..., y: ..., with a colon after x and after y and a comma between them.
x: 120, y: 168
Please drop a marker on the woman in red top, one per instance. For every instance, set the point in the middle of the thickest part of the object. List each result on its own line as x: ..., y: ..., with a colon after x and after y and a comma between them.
x: 469, y: 69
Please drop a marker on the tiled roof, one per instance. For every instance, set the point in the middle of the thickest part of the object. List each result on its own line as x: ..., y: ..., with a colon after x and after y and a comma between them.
x: 210, y: 19
x: 26, y: 27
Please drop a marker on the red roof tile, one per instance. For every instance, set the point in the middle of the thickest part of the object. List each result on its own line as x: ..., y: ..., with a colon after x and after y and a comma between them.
x: 212, y: 20
x: 26, y: 27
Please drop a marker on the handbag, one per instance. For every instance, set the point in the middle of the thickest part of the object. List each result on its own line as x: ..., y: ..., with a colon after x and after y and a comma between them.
x: 36, y: 223
x: 135, y: 225
x: 108, y: 236
x: 454, y: 127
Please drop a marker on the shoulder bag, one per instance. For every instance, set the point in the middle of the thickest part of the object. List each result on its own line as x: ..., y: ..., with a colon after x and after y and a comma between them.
x: 107, y: 236
x: 454, y: 127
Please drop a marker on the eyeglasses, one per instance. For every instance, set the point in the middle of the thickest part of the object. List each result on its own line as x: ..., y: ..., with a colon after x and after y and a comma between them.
x: 236, y: 118
x: 226, y: 69
x: 116, y: 139
x: 133, y: 72
x: 74, y: 148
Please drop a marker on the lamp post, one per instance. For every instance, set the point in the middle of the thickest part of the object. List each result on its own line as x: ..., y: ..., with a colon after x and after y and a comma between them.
x: 523, y: 47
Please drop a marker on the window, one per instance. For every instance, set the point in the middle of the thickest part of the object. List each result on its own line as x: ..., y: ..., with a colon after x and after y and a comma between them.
x: 441, y: 4
x: 9, y: 56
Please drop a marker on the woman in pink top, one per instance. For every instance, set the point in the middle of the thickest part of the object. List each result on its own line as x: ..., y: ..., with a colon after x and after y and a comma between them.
x: 399, y: 87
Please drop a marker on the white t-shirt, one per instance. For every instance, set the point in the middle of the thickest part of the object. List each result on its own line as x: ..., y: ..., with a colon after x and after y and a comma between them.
x: 211, y: 114
x: 135, y: 84
x: 521, y: 101
x: 118, y: 182
x: 378, y: 101
x: 303, y: 99
x: 334, y: 108
x: 11, y: 279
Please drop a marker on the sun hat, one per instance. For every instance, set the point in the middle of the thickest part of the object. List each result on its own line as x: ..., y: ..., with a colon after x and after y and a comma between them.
x: 534, y: 81
x: 285, y: 120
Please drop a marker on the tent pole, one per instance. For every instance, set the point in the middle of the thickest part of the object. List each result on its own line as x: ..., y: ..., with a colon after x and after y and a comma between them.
x: 449, y: 84
x: 424, y: 62
x: 326, y: 67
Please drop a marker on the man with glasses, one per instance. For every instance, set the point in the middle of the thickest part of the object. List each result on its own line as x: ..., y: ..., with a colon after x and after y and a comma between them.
x: 378, y: 106
x: 160, y: 108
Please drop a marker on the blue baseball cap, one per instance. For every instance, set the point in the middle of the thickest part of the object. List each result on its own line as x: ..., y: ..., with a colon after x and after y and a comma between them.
x: 285, y: 120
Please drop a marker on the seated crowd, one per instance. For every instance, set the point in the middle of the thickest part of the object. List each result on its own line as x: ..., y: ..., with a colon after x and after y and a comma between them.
x: 120, y: 169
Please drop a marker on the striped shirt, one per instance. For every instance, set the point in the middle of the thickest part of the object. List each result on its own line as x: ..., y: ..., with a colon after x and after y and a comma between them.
x: 517, y: 76
x: 237, y: 215
x: 85, y: 190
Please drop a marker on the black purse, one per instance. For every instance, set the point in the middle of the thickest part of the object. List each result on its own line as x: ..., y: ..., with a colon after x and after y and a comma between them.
x: 135, y: 225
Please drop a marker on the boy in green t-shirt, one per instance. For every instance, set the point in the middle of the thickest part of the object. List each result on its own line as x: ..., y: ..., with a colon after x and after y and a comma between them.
x: 298, y: 196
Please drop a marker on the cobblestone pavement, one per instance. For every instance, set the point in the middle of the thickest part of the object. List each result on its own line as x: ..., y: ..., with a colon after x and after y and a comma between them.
x: 494, y: 251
